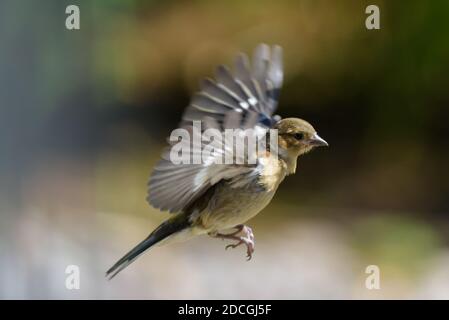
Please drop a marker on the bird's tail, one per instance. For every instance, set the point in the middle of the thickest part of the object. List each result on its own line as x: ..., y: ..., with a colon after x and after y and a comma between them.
x: 168, y: 228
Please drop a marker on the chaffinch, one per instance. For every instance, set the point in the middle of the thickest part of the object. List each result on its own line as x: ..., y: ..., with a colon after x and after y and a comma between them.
x: 210, y: 197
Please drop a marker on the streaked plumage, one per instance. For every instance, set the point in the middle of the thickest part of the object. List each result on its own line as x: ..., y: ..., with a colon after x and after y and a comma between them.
x: 208, y: 198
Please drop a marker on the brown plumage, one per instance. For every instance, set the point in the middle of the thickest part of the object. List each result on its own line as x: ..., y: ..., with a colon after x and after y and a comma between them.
x: 208, y: 198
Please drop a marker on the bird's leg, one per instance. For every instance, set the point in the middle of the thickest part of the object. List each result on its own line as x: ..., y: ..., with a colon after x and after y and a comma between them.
x: 231, y: 235
x: 238, y: 228
x: 247, y: 239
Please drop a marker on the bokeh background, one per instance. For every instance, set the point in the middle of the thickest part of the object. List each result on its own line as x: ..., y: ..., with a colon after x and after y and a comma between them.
x: 85, y: 113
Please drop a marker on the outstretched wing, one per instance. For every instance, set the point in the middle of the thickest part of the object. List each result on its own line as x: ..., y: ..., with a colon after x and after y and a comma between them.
x: 245, y: 98
x: 252, y: 91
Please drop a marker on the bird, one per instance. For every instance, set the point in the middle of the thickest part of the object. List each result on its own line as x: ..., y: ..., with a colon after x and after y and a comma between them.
x: 211, y: 198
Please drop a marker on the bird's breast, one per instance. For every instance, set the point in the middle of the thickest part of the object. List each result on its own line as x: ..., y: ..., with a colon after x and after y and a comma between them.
x: 271, y: 172
x: 235, y: 202
x: 234, y: 206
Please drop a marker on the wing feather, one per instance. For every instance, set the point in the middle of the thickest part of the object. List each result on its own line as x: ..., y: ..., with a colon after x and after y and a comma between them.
x: 245, y: 98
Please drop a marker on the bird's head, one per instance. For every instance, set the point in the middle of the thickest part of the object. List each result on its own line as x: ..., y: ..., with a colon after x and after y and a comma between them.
x: 296, y: 137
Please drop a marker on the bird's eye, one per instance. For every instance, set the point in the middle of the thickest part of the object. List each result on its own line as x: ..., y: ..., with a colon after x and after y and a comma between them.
x: 299, y: 136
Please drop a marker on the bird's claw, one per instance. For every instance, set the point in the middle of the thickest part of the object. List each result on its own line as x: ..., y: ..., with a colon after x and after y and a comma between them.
x: 247, y: 239
x: 233, y: 245
x: 249, y: 246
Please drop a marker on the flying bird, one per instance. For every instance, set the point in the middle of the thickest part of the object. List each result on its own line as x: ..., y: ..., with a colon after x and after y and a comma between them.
x: 209, y: 197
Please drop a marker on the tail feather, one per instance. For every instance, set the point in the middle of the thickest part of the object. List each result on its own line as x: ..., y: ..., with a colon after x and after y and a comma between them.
x: 165, y: 230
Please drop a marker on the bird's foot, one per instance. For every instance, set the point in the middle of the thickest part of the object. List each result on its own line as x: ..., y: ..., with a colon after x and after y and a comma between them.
x: 247, y: 238
x: 249, y: 246
x: 239, y: 228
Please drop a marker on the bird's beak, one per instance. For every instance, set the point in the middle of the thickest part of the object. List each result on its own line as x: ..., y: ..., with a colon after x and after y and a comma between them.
x: 317, y: 141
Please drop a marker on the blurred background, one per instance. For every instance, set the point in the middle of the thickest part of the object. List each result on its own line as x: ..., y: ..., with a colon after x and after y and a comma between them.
x: 84, y: 116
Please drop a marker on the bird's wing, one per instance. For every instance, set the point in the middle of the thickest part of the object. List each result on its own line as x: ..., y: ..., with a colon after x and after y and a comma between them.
x: 251, y: 90
x: 173, y: 186
x: 243, y: 99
